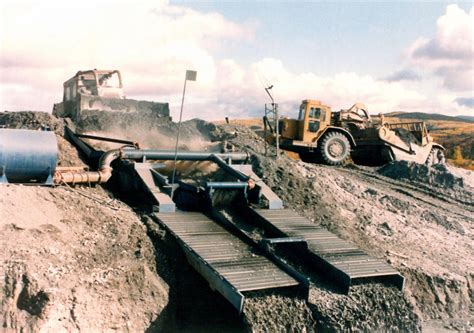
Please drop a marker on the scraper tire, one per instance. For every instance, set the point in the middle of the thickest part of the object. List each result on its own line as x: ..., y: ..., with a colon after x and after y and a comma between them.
x: 335, y: 148
x: 436, y: 156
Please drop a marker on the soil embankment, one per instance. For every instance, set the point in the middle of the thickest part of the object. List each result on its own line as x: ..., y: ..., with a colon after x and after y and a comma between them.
x: 80, y: 259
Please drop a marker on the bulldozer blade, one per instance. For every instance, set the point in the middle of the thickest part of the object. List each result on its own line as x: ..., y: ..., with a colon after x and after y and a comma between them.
x: 99, y: 113
x: 123, y: 105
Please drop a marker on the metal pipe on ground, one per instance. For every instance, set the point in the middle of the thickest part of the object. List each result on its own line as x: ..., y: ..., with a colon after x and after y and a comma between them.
x: 105, y: 169
x: 90, y: 177
x: 152, y: 154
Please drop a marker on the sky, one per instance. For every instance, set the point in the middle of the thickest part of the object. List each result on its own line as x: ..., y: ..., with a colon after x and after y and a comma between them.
x: 410, y: 56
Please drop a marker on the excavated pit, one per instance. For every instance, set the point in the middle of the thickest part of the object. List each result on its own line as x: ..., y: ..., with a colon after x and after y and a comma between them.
x: 367, y: 307
x: 345, y: 200
x: 395, y: 219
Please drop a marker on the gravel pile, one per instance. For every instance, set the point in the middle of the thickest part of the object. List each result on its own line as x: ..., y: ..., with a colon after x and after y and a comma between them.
x: 436, y: 175
x: 273, y: 312
x: 367, y: 308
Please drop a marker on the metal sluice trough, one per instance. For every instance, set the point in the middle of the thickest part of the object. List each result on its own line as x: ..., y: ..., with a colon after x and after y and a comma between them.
x: 227, y: 258
x: 338, y: 260
x: 229, y: 265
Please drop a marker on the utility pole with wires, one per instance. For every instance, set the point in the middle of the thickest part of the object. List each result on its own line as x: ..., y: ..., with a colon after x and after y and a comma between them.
x: 190, y: 76
x: 271, y: 120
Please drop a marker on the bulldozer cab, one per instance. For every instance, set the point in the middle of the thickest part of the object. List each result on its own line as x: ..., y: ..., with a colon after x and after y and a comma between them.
x: 93, y: 91
x: 101, y: 83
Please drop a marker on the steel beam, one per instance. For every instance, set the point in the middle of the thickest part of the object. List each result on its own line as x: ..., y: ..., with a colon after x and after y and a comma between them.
x: 165, y: 203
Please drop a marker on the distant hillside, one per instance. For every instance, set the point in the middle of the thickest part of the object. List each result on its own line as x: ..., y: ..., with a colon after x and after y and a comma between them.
x: 428, y: 116
x: 467, y: 118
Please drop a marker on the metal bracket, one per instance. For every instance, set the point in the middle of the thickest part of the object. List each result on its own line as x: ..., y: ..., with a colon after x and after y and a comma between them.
x: 147, y: 175
x: 274, y: 202
x: 282, y: 240
x: 3, y: 179
x: 49, y: 180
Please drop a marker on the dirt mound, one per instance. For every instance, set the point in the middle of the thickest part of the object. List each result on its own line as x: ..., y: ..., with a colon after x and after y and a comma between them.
x: 396, y: 219
x: 370, y: 307
x: 384, y: 309
x: 150, y: 131
x: 436, y: 175
x: 273, y: 312
x: 31, y: 120
x: 75, y: 259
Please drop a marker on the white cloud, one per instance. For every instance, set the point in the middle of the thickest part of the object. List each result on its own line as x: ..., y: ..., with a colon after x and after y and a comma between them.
x: 339, y: 91
x: 153, y: 43
x: 450, y: 53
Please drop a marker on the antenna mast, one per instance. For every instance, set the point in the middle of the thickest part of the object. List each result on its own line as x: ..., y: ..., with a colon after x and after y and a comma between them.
x: 271, y: 119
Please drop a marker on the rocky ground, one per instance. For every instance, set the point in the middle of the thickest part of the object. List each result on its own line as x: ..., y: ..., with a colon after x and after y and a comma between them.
x: 419, y: 219
x: 79, y: 259
x: 75, y: 259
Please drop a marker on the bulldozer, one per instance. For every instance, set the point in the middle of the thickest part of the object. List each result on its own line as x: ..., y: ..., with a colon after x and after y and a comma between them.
x: 92, y: 91
x: 323, y: 136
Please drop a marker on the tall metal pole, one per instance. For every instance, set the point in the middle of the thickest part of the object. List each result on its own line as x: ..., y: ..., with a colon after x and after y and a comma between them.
x: 277, y: 130
x: 190, y: 75
x: 275, y: 114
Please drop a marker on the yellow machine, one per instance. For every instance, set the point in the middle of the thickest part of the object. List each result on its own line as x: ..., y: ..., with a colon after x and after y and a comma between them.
x: 91, y: 91
x: 314, y: 137
x: 321, y: 135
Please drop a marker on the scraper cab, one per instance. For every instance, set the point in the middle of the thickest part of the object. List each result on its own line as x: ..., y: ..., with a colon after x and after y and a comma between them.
x: 90, y: 93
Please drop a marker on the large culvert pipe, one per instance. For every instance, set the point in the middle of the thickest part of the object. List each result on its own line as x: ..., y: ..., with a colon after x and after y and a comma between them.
x: 27, y: 156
